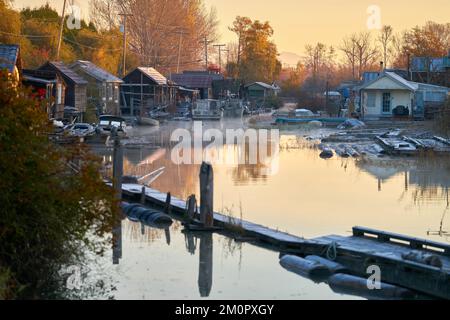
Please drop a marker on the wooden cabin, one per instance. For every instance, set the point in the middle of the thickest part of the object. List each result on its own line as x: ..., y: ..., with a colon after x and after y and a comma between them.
x: 200, y: 81
x: 103, y: 90
x: 146, y: 89
x: 50, y: 86
x: 11, y: 61
x: 75, y: 90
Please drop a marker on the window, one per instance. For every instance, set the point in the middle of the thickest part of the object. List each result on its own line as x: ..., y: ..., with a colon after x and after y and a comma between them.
x: 386, y: 102
x: 371, y: 98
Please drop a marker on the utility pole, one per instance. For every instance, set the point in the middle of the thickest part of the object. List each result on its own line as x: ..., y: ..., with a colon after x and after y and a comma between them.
x: 61, y: 29
x: 206, y: 42
x: 181, y: 33
x: 220, y: 46
x: 124, y: 49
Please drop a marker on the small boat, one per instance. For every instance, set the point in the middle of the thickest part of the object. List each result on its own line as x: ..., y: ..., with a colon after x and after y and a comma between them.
x: 207, y: 110
x: 105, y: 127
x: 147, y: 121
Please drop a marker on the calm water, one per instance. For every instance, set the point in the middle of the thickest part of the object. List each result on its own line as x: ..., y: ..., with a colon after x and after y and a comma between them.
x: 295, y: 191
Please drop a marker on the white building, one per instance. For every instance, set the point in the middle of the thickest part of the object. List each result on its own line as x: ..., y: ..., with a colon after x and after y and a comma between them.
x: 390, y: 95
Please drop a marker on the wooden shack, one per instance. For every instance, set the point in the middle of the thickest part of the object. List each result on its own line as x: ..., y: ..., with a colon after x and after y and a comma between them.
x: 50, y: 86
x: 103, y: 90
x: 75, y: 90
x: 146, y: 89
x: 11, y: 61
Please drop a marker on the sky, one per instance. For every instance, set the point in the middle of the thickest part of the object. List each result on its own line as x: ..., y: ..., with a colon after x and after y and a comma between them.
x: 300, y: 22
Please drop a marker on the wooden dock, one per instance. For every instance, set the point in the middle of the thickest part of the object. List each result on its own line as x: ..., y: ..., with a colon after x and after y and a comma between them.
x: 365, y: 248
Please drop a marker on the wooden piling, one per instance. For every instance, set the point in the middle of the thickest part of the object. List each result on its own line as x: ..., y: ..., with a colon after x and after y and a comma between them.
x: 207, y: 195
x: 191, y: 208
x: 168, y: 205
x: 143, y: 195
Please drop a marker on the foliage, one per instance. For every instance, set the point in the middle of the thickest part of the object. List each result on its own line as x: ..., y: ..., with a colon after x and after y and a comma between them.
x: 258, y: 55
x: 273, y: 102
x: 47, y: 208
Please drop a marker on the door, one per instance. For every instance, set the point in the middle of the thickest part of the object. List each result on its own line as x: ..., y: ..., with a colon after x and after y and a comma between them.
x: 386, y: 108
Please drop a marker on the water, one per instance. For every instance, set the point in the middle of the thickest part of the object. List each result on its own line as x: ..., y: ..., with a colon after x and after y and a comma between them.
x: 296, y: 192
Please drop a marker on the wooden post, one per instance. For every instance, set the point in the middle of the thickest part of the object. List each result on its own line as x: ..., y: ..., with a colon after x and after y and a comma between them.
x: 143, y: 196
x: 117, y: 164
x: 117, y: 186
x: 207, y: 195
x: 191, y: 208
x: 168, y: 206
x: 205, y: 272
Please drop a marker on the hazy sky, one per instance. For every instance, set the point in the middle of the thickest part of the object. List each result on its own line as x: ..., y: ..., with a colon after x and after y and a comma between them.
x: 299, y: 22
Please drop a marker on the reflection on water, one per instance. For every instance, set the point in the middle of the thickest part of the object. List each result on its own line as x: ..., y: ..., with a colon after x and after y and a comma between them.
x: 296, y: 191
x: 293, y: 190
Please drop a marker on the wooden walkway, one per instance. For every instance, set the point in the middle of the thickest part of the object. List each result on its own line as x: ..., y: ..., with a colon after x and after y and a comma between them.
x: 365, y: 248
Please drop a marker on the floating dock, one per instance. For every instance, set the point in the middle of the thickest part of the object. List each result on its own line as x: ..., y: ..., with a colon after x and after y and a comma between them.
x: 392, y: 253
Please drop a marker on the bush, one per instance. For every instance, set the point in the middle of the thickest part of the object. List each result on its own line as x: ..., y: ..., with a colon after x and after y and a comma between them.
x: 47, y: 209
x: 274, y: 102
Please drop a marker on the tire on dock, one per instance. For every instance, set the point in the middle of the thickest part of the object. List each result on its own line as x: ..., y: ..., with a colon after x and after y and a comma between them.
x: 356, y: 286
x: 150, y: 217
x: 305, y: 268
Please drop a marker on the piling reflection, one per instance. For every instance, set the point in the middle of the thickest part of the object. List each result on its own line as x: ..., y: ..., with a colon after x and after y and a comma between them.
x: 203, y: 241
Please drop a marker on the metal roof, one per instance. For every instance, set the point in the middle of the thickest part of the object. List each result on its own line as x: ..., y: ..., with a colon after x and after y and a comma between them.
x: 195, y: 80
x: 396, y: 78
x: 96, y: 72
x: 8, y: 56
x: 154, y: 75
x: 66, y: 72
x: 264, y: 85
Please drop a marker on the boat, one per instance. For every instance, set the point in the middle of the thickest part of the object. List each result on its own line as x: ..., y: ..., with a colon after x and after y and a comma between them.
x: 105, y: 127
x: 207, y: 110
x: 147, y: 121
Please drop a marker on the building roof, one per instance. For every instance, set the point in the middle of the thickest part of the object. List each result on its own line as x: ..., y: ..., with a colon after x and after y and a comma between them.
x: 154, y: 75
x: 264, y: 85
x: 95, y: 71
x: 8, y: 56
x: 412, y: 86
x: 66, y: 72
x: 195, y: 79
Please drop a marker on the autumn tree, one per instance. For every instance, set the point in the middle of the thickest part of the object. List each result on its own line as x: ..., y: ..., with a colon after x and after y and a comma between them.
x: 258, y: 54
x: 54, y: 201
x: 430, y: 40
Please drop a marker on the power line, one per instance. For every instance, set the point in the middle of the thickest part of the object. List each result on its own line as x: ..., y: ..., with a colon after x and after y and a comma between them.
x: 26, y: 35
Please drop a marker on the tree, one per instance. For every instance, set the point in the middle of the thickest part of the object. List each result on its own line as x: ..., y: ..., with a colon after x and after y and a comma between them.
x: 156, y: 27
x: 360, y: 52
x: 258, y: 59
x: 386, y: 39
x: 48, y: 208
x: 240, y: 26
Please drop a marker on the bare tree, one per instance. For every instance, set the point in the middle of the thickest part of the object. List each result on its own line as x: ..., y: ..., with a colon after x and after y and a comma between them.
x: 360, y: 52
x: 386, y: 39
x: 155, y: 28
x: 104, y: 14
